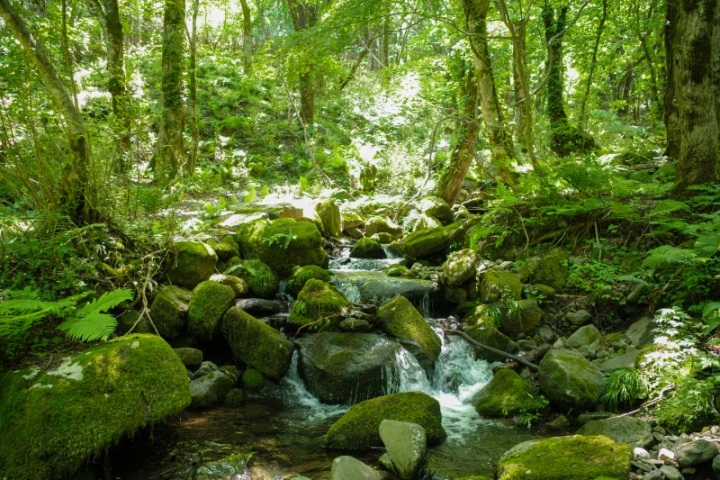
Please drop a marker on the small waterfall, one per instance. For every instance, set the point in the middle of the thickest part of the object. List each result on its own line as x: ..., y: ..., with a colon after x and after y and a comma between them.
x: 406, y: 375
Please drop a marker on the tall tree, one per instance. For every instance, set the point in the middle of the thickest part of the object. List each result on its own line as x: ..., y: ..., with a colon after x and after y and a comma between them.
x: 503, y: 151
x: 692, y: 41
x: 170, y: 147
x: 75, y: 187
x: 304, y: 14
x: 247, y: 37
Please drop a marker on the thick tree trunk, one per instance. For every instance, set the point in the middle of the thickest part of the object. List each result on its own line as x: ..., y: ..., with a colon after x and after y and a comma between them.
x: 671, y: 114
x: 501, y: 143
x: 463, y: 155
x: 693, y: 75
x: 304, y: 16
x: 75, y: 186
x: 170, y: 147
x: 192, y: 97
x: 247, y: 37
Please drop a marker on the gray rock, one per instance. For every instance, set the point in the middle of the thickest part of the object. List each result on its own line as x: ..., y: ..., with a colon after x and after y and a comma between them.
x: 695, y: 453
x: 346, y: 367
x: 460, y: 267
x: 206, y: 368
x: 586, y: 335
x: 671, y: 473
x: 653, y: 475
x: 716, y: 466
x: 626, y: 360
x: 640, y: 454
x: 237, y: 219
x: 580, y: 317
x: 260, y: 307
x: 546, y: 333
x: 210, y: 390
x: 406, y: 445
x: 630, y: 430
x: 376, y: 287
x: 570, y: 381
x: 638, y: 331
x: 349, y: 468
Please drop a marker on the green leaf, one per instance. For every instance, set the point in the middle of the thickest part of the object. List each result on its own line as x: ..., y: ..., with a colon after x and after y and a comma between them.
x: 95, y: 326
x: 106, y: 301
x: 668, y: 206
x: 669, y: 255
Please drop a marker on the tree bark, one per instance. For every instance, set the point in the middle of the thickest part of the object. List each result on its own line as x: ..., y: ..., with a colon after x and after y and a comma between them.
x: 671, y: 115
x: 500, y: 140
x: 593, y: 63
x: 170, y: 147
x: 247, y: 37
x: 304, y: 16
x: 693, y: 74
x: 192, y: 97
x: 75, y: 187
x: 463, y: 155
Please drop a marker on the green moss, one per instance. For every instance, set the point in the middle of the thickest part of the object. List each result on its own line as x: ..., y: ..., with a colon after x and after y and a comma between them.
x: 190, y: 357
x: 367, y: 248
x: 169, y: 310
x: 301, y: 275
x: 566, y: 458
x: 236, y: 283
x: 501, y: 285
x: 209, y: 302
x: 569, y: 380
x: 506, y: 395
x: 401, y: 319
x: 358, y: 429
x: 425, y: 242
x: 487, y: 334
x: 257, y: 344
x: 253, y: 380
x: 191, y: 263
x: 259, y: 277
x: 553, y: 269
x: 689, y: 407
x: 282, y: 244
x: 235, y: 398
x: 396, y: 270
x: 225, y: 249
x: 318, y: 307
x: 52, y: 423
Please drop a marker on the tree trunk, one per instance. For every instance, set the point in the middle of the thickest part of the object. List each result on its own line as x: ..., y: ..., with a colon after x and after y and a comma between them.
x: 247, y: 37
x: 593, y: 63
x: 170, y: 147
x: 500, y: 140
x: 304, y: 16
x: 693, y: 74
x: 75, y: 187
x: 192, y: 97
x: 564, y: 138
x: 463, y: 155
x: 671, y: 114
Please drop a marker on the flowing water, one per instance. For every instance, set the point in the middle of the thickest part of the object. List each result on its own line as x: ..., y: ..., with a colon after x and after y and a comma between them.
x: 283, y: 428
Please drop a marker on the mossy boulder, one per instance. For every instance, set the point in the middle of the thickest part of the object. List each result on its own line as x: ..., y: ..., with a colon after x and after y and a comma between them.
x: 396, y: 270
x: 425, y: 242
x: 566, y: 458
x: 367, y: 248
x: 239, y: 286
x: 460, y: 267
x: 282, y: 244
x: 257, y: 344
x: 190, y: 357
x: 379, y: 225
x: 330, y: 218
x: 437, y: 208
x: 351, y: 220
x: 259, y: 277
x: 191, y: 263
x: 318, y: 307
x: 401, y: 319
x: 487, y: 334
x: 253, y: 380
x: 301, y: 275
x: 523, y: 319
x: 586, y: 335
x: 570, y: 381
x: 633, y: 431
x: 553, y: 269
x: 359, y: 428
x: 169, y: 310
x: 507, y: 395
x: 53, y: 422
x: 225, y: 249
x: 346, y: 367
x: 210, y: 390
x: 209, y: 302
x: 500, y: 285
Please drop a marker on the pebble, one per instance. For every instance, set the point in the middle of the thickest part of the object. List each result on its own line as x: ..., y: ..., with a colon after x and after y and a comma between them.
x: 666, y: 455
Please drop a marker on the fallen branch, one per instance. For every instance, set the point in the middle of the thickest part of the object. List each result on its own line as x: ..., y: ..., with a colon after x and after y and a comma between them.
x: 475, y: 343
x: 649, y: 403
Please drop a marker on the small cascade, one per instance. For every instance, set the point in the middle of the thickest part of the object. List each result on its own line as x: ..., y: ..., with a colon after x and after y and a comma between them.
x: 406, y: 375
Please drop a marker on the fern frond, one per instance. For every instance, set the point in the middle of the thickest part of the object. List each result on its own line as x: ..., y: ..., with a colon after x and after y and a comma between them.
x: 106, y: 301
x: 22, y: 305
x: 708, y: 245
x: 95, y: 326
x: 669, y: 206
x: 669, y: 255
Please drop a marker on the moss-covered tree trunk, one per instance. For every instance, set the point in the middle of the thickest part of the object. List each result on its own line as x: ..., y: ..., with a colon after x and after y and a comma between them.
x: 170, y: 147
x: 75, y: 187
x: 304, y: 15
x: 564, y: 138
x: 192, y: 94
x: 247, y: 37
x: 463, y: 155
x: 692, y: 25
x: 503, y: 150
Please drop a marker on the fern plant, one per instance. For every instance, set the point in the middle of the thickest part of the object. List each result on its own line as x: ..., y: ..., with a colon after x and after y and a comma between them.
x: 87, y: 322
x: 623, y: 388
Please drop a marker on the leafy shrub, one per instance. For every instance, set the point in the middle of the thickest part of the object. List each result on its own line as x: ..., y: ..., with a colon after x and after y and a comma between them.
x: 623, y: 388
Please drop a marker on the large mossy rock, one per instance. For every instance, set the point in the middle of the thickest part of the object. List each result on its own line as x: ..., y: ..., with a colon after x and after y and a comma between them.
x: 53, y: 422
x: 191, y: 263
x: 507, y: 395
x: 633, y: 431
x: 553, y: 269
x: 301, y: 275
x: 401, y: 320
x: 381, y: 225
x: 566, y: 458
x: 210, y: 300
x: 460, y: 267
x: 367, y: 248
x: 259, y: 277
x: 318, y: 307
x: 376, y: 287
x: 487, y: 334
x: 225, y: 249
x: 425, y: 242
x: 523, y: 319
x: 257, y: 344
x: 346, y: 367
x: 500, y: 285
x: 210, y: 390
x: 359, y: 428
x: 437, y: 208
x: 330, y: 218
x: 570, y: 381
x: 282, y: 244
x: 169, y: 310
